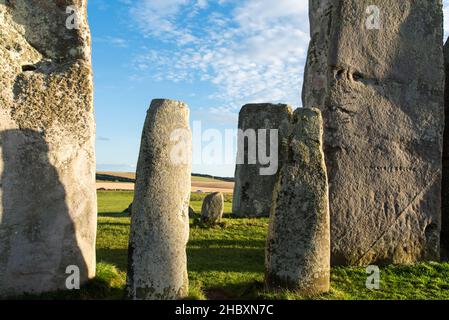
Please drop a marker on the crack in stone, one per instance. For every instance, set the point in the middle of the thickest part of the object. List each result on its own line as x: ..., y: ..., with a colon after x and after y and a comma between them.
x: 401, y: 214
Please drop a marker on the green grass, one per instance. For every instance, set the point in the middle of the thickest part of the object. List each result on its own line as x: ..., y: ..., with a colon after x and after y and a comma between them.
x: 204, y: 179
x: 132, y: 175
x: 227, y: 262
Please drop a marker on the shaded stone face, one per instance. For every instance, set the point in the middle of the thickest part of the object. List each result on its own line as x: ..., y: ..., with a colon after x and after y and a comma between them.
x: 192, y: 213
x: 383, y: 119
x: 212, y: 208
x: 298, y: 244
x: 48, y: 203
x: 157, y: 263
x: 445, y: 184
x: 128, y: 210
x: 316, y: 69
x: 253, y: 190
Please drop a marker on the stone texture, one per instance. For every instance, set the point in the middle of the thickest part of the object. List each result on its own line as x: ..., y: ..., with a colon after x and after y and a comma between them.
x: 253, y: 191
x: 383, y: 115
x: 445, y: 184
x: 48, y: 206
x: 157, y: 263
x: 212, y: 208
x: 192, y: 213
x: 298, y: 243
x: 316, y: 69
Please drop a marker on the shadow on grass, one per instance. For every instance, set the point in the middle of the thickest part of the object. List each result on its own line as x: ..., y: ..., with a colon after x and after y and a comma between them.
x: 225, y: 259
x: 201, y: 259
x: 96, y: 289
x: 225, y: 244
x: 113, y: 224
x: 230, y: 215
x: 117, y: 257
x: 245, y: 290
x: 113, y: 215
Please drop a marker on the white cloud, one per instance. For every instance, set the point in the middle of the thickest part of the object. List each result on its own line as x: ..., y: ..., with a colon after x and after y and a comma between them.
x: 254, y: 54
x: 259, y: 14
x: 113, y: 41
x: 201, y: 4
x: 157, y: 18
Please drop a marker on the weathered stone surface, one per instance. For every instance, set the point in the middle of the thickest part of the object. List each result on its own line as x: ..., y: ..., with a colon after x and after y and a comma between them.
x: 253, y: 191
x: 48, y: 207
x: 316, y: 69
x: 157, y: 263
x: 192, y: 213
x: 383, y: 115
x: 445, y: 184
x: 212, y: 208
x: 298, y: 243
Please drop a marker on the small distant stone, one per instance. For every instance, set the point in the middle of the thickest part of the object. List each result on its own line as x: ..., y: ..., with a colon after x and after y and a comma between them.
x: 212, y: 209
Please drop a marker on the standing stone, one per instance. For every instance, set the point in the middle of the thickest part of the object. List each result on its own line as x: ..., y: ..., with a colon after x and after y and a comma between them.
x: 157, y: 263
x: 128, y: 210
x: 252, y: 190
x: 383, y: 115
x: 192, y: 213
x: 212, y: 208
x: 298, y: 243
x: 316, y: 69
x: 48, y: 208
x: 445, y: 184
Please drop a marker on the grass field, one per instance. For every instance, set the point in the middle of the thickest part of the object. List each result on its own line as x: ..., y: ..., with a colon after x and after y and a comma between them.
x: 132, y: 175
x: 227, y: 263
x: 119, y: 181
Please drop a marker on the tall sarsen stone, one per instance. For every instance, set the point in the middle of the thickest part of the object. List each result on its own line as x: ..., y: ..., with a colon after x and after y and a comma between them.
x: 157, y: 263
x: 445, y: 184
x: 298, y: 243
x: 253, y: 187
x: 316, y: 69
x: 383, y: 115
x: 48, y: 208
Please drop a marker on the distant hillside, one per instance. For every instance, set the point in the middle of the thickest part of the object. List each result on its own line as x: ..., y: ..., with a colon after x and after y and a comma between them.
x: 131, y: 177
x: 115, y: 177
x: 227, y: 179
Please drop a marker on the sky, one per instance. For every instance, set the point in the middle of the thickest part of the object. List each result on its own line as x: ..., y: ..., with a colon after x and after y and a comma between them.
x: 215, y: 55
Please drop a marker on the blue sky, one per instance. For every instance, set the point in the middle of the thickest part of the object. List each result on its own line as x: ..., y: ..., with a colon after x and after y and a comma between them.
x: 216, y: 55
